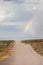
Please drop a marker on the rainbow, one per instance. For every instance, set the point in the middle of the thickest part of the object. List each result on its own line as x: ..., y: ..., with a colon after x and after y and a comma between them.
x: 28, y: 25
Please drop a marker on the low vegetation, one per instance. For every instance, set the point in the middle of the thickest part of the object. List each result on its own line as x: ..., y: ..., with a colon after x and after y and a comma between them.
x: 37, y: 45
x: 5, y: 48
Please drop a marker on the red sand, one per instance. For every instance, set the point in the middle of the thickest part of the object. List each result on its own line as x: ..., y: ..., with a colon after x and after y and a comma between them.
x: 23, y: 54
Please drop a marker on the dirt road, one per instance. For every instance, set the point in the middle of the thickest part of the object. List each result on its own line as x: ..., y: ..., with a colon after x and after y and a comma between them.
x: 23, y: 54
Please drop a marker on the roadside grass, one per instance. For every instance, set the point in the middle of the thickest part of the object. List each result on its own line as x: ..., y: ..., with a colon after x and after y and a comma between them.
x: 5, y: 49
x: 37, y: 45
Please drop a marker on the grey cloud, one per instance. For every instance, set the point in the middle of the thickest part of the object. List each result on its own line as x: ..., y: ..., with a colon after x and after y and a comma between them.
x: 17, y: 13
x: 16, y: 1
x: 22, y: 13
x: 38, y: 24
x: 13, y: 35
x: 24, y: 1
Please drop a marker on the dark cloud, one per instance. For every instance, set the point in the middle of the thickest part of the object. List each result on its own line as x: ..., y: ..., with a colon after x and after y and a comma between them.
x: 7, y: 0
x: 24, y: 1
x: 16, y: 1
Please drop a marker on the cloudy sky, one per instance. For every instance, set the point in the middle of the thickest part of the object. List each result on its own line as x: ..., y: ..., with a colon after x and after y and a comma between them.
x: 15, y: 14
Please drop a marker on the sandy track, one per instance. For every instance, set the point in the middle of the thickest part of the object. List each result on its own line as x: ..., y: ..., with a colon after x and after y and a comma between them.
x: 23, y: 54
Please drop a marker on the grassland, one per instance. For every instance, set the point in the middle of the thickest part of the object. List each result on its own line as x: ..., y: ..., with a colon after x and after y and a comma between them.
x: 37, y: 45
x: 5, y: 48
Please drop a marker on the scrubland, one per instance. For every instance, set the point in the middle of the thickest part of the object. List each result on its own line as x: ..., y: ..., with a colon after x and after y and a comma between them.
x: 5, y: 48
x: 36, y: 44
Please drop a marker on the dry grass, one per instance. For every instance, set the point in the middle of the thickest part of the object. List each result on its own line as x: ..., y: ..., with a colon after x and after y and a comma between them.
x: 5, y: 48
x: 37, y: 45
